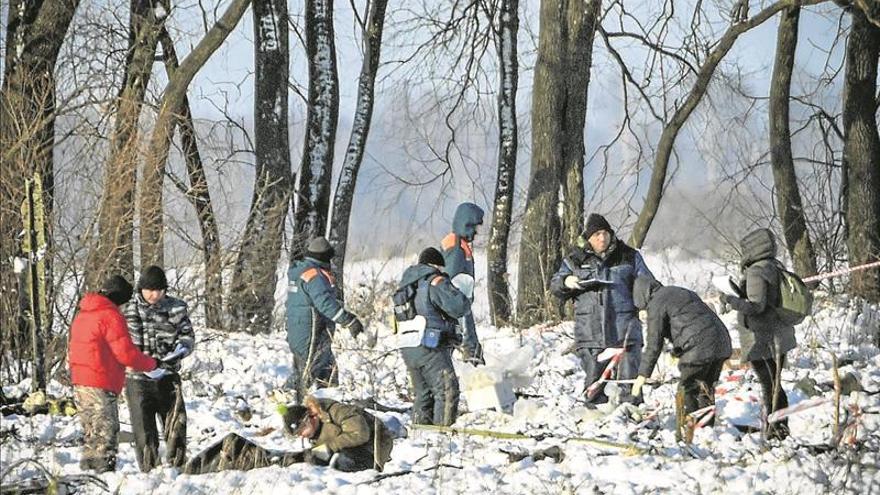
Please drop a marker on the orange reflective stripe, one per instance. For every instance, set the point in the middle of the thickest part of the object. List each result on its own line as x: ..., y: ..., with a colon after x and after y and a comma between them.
x: 437, y: 280
x: 448, y: 242
x: 329, y: 276
x: 309, y: 274
x: 466, y: 247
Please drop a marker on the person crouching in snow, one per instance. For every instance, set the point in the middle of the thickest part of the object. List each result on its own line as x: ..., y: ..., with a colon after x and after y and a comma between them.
x: 99, y: 350
x: 426, y: 340
x: 356, y: 438
x: 699, y: 339
x: 159, y: 325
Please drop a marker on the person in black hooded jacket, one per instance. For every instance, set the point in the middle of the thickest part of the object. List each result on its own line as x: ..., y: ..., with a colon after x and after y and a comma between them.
x: 699, y: 340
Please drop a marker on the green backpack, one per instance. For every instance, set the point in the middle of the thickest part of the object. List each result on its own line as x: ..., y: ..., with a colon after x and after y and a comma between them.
x: 795, y: 298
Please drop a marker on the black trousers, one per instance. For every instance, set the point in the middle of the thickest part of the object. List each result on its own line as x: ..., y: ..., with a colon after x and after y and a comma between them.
x: 773, y: 396
x: 697, y: 386
x: 147, y: 400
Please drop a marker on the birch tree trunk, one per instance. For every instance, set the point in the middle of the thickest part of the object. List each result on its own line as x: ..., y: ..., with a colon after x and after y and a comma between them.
x: 506, y: 39
x: 312, y: 196
x: 357, y: 142
x: 788, y: 196
x: 252, y: 297
x: 861, y: 154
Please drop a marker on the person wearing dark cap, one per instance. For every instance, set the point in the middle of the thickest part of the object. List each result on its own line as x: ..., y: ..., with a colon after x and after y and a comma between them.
x: 458, y: 255
x: 699, y: 340
x: 99, y: 350
x: 343, y: 436
x: 426, y: 338
x: 313, y: 311
x: 598, y: 275
x: 160, y: 326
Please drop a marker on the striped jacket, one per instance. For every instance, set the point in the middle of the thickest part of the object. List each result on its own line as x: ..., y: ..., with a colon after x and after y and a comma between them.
x: 157, y: 329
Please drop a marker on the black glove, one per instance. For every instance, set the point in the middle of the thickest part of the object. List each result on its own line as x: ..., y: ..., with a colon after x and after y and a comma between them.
x: 355, y: 327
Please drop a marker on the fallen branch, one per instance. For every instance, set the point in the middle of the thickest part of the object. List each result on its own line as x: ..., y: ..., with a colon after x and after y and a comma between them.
x: 519, y: 436
x: 405, y: 472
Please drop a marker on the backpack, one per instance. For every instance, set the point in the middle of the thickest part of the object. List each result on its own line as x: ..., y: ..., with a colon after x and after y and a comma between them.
x: 404, y: 299
x: 795, y: 298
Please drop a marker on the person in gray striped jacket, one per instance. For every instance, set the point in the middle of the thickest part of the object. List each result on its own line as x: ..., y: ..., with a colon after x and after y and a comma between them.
x: 160, y: 327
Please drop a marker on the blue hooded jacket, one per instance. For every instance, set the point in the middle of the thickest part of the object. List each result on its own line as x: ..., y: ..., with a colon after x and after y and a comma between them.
x: 436, y: 298
x: 312, y: 305
x: 457, y: 245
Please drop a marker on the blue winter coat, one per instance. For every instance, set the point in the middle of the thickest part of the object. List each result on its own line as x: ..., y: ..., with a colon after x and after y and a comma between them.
x: 604, y: 316
x: 436, y: 298
x: 457, y: 249
x: 312, y: 305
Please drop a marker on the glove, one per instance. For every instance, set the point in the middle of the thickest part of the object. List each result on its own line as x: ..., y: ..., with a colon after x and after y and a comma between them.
x: 178, y: 351
x: 637, y: 386
x: 319, y: 455
x: 725, y: 299
x: 157, y: 373
x: 355, y: 328
x: 572, y: 282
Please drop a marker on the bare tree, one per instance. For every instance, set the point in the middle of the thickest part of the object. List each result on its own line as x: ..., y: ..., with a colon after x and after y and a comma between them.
x: 251, y: 298
x: 788, y: 196
x: 502, y: 210
x: 861, y: 153
x: 198, y: 195
x: 34, y: 34
x: 112, y: 251
x: 372, y: 29
x: 312, y: 195
x: 151, y: 221
x: 558, y: 113
x: 741, y: 24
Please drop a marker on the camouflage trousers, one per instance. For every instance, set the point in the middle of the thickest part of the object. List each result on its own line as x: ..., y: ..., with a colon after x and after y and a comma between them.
x: 147, y: 400
x: 97, y: 410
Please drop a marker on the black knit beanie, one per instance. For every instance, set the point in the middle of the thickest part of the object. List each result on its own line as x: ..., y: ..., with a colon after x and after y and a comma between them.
x: 320, y: 249
x: 430, y: 256
x: 117, y: 289
x: 595, y: 223
x: 153, y: 278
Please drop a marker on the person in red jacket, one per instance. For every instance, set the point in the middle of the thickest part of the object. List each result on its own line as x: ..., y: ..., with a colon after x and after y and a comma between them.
x: 99, y: 350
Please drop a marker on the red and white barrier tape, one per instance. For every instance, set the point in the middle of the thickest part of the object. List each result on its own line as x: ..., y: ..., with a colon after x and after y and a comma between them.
x: 842, y: 271
x: 800, y: 406
x: 616, y: 354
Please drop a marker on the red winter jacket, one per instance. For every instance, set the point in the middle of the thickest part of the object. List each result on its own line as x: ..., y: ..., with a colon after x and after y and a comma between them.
x: 100, y: 347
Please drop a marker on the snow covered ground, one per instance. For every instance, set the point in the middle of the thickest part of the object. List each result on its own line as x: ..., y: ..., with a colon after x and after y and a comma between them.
x: 231, y: 372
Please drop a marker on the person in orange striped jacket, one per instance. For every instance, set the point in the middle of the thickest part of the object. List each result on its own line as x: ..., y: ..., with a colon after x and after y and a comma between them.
x: 313, y: 311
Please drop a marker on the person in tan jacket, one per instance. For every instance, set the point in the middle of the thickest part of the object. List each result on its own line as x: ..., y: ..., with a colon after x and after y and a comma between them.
x: 343, y: 436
